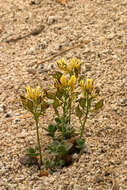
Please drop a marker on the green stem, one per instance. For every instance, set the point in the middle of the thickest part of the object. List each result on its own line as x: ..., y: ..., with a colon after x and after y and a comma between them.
x: 38, y: 139
x: 64, y: 117
x: 87, y: 111
x: 70, y: 103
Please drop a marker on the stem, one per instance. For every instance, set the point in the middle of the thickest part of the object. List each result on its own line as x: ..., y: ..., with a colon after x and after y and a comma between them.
x: 87, y: 111
x: 38, y: 139
x: 70, y: 103
x: 64, y: 117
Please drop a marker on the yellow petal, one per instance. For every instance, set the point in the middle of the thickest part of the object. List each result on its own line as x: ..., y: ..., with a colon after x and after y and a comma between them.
x: 72, y: 81
x: 78, y: 64
x: 73, y: 63
x: 81, y: 83
x: 37, y: 91
x: 29, y: 92
x: 89, y: 84
x: 63, y: 80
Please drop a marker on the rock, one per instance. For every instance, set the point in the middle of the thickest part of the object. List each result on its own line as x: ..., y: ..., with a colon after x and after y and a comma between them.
x: 34, y: 2
x: 42, y: 69
x: 87, y: 149
x: 114, y: 107
x: 32, y: 51
x: 42, y: 46
x: 125, y: 162
x: 7, y: 115
x: 111, y: 36
x: 99, y: 179
x: 16, y: 120
x: 75, y: 156
x: 31, y: 71
x: 46, y: 68
x: 123, y: 102
x: 3, y: 108
x: 52, y: 19
x: 27, y: 160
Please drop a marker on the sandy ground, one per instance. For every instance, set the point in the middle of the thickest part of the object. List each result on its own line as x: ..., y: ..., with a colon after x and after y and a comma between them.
x: 101, y: 26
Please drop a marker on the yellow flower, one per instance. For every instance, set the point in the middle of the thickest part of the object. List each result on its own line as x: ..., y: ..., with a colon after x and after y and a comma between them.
x: 78, y: 64
x: 81, y: 83
x: 29, y: 92
x: 63, y: 61
x: 69, y: 68
x: 37, y: 91
x: 33, y: 93
x: 73, y: 63
x: 63, y: 80
x: 62, y: 64
x: 57, y: 84
x: 89, y: 84
x: 72, y: 81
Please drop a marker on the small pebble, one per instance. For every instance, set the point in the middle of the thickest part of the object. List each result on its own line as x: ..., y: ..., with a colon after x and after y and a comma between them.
x: 88, y: 68
x: 42, y: 69
x: 34, y: 2
x: 123, y: 102
x: 27, y: 160
x: 2, y: 108
x: 31, y: 71
x: 17, y: 120
x: 52, y: 19
x: 8, y: 115
x: 50, y: 67
x: 32, y: 51
x: 75, y: 156
x: 125, y: 162
x: 99, y: 179
x: 114, y: 107
x: 42, y: 46
x: 87, y: 149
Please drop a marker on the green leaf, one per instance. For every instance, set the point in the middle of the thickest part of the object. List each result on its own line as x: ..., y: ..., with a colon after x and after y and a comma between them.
x: 39, y: 100
x: 44, y: 106
x: 69, y: 146
x: 27, y: 103
x: 55, y: 103
x: 61, y: 149
x: 51, y: 130
x: 82, y: 102
x: 58, y: 120
x: 59, y: 93
x: 99, y: 105
x: 78, y: 112
x: 80, y: 143
x: 51, y: 95
x: 32, y: 152
x: 77, y: 71
x: 30, y: 105
x: 57, y: 75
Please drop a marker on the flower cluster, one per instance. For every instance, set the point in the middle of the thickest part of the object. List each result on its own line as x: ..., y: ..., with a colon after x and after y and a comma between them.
x: 33, y: 94
x: 73, y: 67
x: 64, y: 83
x: 68, y: 85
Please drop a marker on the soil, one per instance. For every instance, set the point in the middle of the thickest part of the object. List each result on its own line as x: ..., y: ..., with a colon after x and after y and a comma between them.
x: 33, y: 35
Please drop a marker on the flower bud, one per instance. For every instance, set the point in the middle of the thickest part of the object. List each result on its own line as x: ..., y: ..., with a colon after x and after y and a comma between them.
x: 89, y: 85
x: 63, y: 80
x: 72, y: 81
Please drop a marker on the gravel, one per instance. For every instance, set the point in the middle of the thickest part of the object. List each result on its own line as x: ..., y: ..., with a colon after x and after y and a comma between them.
x: 102, y: 165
